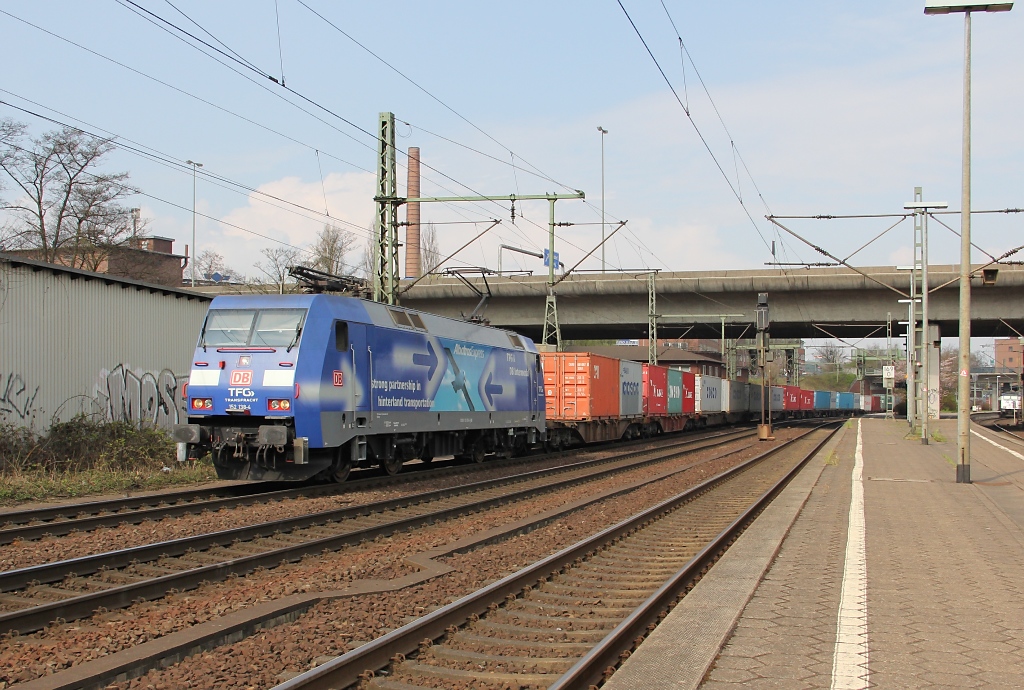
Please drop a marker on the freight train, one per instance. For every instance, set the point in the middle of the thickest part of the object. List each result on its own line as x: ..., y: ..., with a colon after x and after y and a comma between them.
x: 299, y: 386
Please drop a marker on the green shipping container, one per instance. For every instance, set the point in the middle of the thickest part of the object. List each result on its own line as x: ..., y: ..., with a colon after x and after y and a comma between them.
x: 675, y: 391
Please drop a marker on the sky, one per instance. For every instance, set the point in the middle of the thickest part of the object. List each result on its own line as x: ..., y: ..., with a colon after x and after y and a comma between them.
x: 815, y: 108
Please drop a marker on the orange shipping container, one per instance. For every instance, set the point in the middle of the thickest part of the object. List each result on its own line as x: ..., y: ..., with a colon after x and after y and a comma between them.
x: 580, y: 385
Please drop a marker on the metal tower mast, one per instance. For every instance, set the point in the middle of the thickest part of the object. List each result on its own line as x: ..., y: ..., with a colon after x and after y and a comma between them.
x: 386, y: 269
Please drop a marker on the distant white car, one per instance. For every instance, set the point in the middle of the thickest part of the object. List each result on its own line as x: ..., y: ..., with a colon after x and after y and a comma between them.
x: 976, y: 408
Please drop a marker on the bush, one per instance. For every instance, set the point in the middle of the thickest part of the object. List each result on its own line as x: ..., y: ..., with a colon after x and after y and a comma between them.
x: 82, y: 457
x: 84, y: 444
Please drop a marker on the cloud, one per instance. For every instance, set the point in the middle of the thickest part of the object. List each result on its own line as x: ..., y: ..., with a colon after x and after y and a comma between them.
x: 349, y: 199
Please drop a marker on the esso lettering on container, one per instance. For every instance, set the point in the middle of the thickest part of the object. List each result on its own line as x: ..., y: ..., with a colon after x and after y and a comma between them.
x: 631, y: 388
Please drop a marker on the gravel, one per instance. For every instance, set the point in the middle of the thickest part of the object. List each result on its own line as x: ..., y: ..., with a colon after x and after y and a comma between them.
x: 333, y: 627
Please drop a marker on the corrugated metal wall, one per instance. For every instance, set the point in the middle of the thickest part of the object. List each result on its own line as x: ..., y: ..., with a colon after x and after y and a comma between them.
x: 72, y: 343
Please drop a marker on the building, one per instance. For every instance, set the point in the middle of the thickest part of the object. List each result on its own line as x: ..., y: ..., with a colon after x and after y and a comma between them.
x: 1009, y: 354
x: 150, y: 259
x: 78, y: 342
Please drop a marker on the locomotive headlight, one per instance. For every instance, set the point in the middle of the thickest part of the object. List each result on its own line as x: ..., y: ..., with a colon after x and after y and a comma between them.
x: 279, y: 404
x: 202, y: 403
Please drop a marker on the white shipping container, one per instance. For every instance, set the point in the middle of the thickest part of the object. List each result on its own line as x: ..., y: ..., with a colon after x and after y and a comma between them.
x: 709, y: 394
x: 754, y: 398
x: 737, y: 396
x: 631, y: 384
x: 833, y: 401
x: 778, y: 398
x: 857, y: 403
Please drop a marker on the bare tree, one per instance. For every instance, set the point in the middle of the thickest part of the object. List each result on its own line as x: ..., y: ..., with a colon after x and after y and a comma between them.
x: 369, y: 258
x: 278, y: 260
x: 832, y: 354
x: 66, y: 212
x: 210, y: 262
x: 330, y: 249
x: 430, y: 250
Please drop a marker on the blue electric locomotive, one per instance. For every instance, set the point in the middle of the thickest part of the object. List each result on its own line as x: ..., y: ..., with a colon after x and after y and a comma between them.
x: 295, y: 386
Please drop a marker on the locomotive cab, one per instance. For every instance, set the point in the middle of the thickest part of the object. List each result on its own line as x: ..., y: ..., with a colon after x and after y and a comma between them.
x: 242, y: 390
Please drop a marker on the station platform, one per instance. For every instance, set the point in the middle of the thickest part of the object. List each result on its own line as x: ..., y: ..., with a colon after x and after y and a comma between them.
x: 872, y: 569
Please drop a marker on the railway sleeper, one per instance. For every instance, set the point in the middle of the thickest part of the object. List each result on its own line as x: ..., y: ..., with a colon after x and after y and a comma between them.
x: 415, y: 669
x: 473, y: 641
x: 548, y: 623
x: 506, y: 631
x: 445, y: 656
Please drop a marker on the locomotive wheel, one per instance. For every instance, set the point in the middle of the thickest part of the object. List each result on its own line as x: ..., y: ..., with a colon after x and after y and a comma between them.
x: 341, y: 471
x: 392, y: 466
x: 478, y: 454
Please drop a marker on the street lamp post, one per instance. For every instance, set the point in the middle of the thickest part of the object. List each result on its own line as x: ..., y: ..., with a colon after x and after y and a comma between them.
x: 603, y: 131
x: 195, y: 254
x: 963, y: 467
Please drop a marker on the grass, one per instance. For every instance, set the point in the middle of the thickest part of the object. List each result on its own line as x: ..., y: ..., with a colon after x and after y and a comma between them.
x: 39, y: 484
x: 948, y: 459
x: 828, y: 382
x: 938, y: 437
x: 832, y: 458
x: 82, y: 457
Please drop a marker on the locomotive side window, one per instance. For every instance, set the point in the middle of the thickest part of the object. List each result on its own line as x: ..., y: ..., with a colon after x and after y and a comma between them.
x: 227, y: 327
x: 341, y: 336
x: 417, y: 321
x: 516, y: 342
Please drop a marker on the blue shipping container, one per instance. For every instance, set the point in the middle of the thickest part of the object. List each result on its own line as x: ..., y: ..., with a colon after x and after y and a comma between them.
x: 846, y: 401
x: 821, y: 400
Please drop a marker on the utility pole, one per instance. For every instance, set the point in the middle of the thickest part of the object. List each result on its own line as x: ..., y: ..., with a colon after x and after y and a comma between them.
x: 764, y: 430
x: 603, y: 131
x: 194, y: 253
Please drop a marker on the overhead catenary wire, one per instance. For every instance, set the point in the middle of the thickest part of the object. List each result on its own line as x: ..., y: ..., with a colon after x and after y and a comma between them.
x: 430, y: 94
x: 685, y: 55
x: 227, y: 111
x: 181, y: 91
x: 202, y: 100
x: 695, y: 127
x: 171, y: 28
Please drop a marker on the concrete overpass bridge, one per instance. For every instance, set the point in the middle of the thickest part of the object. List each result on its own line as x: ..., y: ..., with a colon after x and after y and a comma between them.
x: 805, y: 303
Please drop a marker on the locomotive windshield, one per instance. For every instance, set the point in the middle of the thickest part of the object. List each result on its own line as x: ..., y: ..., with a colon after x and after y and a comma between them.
x: 252, y: 328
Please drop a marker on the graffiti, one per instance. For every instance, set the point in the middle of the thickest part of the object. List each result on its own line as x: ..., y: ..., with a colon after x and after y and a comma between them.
x: 142, y: 397
x: 17, y: 398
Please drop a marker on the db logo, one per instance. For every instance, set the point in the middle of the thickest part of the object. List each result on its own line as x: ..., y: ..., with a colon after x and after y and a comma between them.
x: 241, y: 377
x: 339, y: 378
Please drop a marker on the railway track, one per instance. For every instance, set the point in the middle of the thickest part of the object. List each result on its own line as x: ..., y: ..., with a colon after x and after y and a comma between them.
x: 59, y: 520
x: 568, y: 620
x: 35, y: 596
x: 992, y: 424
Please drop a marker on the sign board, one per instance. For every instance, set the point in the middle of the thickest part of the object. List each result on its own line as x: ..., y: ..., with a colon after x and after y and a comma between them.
x: 546, y: 258
x: 888, y: 376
